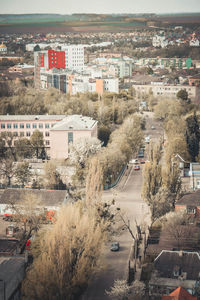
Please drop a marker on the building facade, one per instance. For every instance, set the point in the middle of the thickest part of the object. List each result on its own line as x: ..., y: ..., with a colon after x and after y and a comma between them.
x: 58, y: 130
x: 166, y: 90
x: 74, y: 57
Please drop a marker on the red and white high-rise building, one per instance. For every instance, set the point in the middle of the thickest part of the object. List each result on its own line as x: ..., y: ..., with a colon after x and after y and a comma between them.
x: 48, y: 60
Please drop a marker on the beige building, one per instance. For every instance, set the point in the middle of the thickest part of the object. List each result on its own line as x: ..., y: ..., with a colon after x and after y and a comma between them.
x: 70, y: 129
x: 167, y: 91
x: 58, y: 130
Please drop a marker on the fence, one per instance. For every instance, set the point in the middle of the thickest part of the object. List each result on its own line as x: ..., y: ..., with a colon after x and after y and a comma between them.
x: 109, y: 186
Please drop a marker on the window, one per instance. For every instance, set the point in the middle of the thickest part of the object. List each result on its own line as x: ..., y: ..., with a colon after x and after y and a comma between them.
x: 15, y: 125
x: 47, y: 125
x: 34, y: 125
x: 40, y: 125
x: 15, y: 133
x: 47, y: 143
x: 53, y: 124
x: 198, y: 184
x: 21, y: 134
x: 2, y: 125
x: 21, y: 125
x: 191, y: 210
x: 46, y: 133
x: 176, y: 271
x: 28, y: 125
x: 70, y: 137
x: 8, y: 125
x: 28, y: 133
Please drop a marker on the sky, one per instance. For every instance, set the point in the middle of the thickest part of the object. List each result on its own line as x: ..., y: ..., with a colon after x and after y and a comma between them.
x: 98, y: 6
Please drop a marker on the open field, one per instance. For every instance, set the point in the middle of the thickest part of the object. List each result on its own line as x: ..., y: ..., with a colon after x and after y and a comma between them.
x: 69, y: 27
x: 90, y: 23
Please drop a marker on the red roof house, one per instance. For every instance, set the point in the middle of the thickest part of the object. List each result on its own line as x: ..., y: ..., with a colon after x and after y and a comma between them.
x: 179, y: 294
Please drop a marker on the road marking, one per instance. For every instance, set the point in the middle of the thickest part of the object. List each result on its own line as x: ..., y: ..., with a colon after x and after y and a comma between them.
x: 127, y: 178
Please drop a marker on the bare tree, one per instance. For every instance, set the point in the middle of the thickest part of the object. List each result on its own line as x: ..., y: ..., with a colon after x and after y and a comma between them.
x: 180, y: 230
x: 69, y: 253
x: 28, y: 213
x: 7, y: 169
x: 23, y: 173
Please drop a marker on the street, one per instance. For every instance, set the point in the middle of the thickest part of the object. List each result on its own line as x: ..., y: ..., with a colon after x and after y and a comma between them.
x: 114, y: 265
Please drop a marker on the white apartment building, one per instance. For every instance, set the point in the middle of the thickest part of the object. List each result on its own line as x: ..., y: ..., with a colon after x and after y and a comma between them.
x: 74, y: 57
x: 167, y: 91
x: 111, y: 85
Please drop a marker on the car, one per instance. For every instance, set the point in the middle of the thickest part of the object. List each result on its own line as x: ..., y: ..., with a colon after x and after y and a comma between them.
x: 147, y: 139
x: 114, y: 246
x: 137, y: 168
x: 152, y: 127
x: 134, y: 161
x: 142, y: 161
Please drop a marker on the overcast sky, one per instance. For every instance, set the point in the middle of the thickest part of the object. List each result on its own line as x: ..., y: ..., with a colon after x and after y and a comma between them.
x: 98, y: 6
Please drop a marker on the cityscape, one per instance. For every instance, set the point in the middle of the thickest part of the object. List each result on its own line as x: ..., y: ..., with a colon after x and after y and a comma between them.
x: 100, y: 151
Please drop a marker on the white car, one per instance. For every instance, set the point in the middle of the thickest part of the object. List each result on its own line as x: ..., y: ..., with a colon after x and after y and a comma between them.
x: 134, y: 161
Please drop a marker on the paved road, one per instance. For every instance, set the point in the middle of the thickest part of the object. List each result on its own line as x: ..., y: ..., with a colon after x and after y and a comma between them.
x: 128, y: 198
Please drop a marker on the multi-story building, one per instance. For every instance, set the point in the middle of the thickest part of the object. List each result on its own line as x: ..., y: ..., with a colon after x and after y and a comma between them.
x: 50, y: 59
x: 53, y: 78
x: 73, y: 83
x: 165, y: 62
x: 58, y: 130
x: 167, y: 90
x: 74, y: 57
x: 71, y: 57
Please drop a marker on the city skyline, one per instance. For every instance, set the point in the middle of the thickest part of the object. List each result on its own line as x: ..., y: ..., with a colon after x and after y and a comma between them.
x: 75, y: 6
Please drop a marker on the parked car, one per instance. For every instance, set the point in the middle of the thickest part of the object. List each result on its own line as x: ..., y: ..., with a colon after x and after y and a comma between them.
x: 137, y: 168
x: 114, y: 246
x: 147, y: 139
x: 152, y: 127
x: 142, y: 161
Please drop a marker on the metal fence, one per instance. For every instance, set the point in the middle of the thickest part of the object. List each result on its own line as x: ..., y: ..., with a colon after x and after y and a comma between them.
x: 109, y: 186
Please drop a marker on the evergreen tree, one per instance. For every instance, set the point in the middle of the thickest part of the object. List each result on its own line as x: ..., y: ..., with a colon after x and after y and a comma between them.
x: 193, y: 136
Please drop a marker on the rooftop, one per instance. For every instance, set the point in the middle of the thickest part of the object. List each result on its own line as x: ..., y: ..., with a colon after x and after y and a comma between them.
x: 75, y: 122
x: 192, y: 199
x: 8, y: 247
x: 31, y: 117
x: 188, y: 262
x: 179, y: 294
x: 48, y: 197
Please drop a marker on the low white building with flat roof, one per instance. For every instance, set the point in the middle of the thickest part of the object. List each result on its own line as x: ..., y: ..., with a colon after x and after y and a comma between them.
x: 167, y: 90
